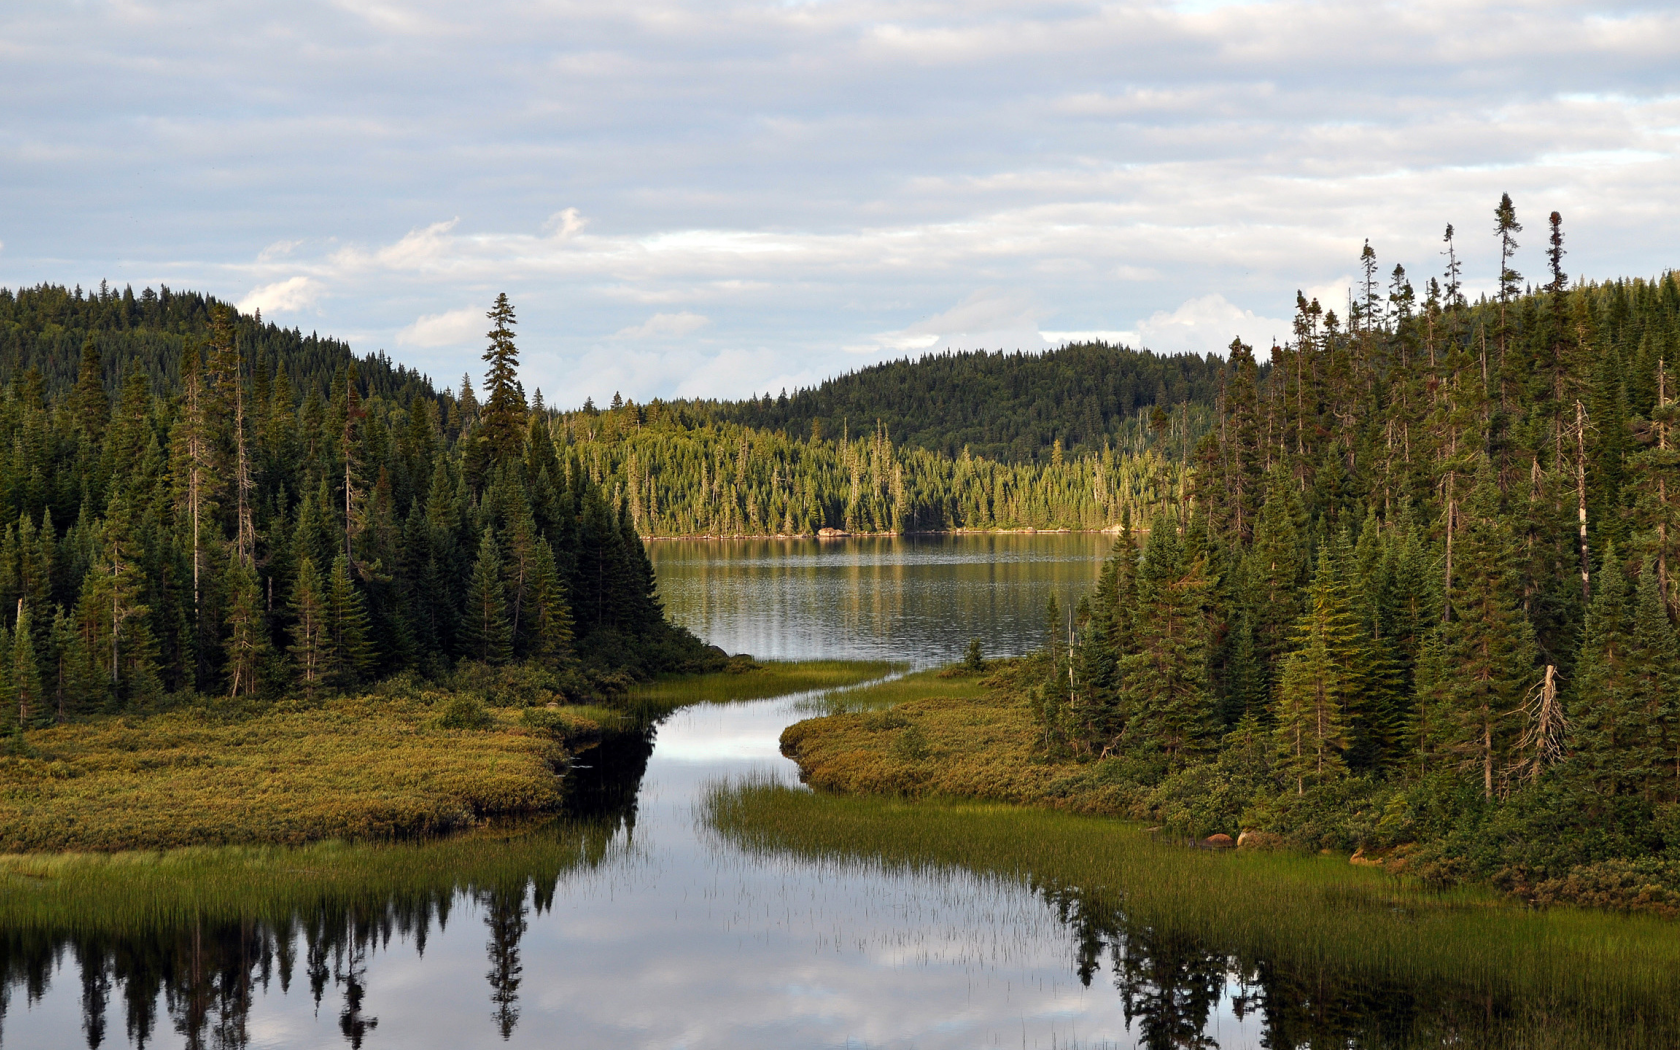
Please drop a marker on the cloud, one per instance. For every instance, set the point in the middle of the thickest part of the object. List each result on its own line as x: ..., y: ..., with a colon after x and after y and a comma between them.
x: 663, y: 326
x: 818, y: 178
x: 1207, y: 325
x: 451, y: 328
x: 287, y: 296
x: 989, y: 318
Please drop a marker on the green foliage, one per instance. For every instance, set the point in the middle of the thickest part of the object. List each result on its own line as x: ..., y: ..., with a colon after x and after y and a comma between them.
x: 463, y: 711
x: 202, y: 504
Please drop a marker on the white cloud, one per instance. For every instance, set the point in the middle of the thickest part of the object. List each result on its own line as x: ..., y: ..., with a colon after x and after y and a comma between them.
x: 450, y: 328
x: 813, y: 178
x: 1207, y: 325
x: 663, y: 326
x: 287, y: 296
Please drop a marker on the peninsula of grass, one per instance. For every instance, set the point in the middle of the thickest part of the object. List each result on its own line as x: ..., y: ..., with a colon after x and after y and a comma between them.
x: 365, y: 767
x: 946, y: 734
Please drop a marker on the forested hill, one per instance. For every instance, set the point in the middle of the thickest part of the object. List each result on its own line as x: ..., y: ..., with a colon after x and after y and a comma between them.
x: 44, y: 328
x: 254, y: 515
x: 1007, y: 407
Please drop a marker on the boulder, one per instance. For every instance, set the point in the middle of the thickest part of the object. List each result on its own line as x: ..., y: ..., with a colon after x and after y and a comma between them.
x: 1219, y: 841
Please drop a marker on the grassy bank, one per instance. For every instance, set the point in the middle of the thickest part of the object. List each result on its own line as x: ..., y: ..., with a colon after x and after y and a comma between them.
x: 1462, y: 959
x: 359, y: 767
x: 937, y: 733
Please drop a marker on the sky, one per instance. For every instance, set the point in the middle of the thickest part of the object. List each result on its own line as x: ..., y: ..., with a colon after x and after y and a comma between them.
x: 715, y: 199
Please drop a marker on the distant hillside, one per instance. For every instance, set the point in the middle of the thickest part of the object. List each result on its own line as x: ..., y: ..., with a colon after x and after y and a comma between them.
x: 45, y: 328
x: 1007, y: 407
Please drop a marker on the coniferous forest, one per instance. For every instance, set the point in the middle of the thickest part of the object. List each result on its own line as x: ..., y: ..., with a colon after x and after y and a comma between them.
x: 1423, y: 598
x: 198, y: 502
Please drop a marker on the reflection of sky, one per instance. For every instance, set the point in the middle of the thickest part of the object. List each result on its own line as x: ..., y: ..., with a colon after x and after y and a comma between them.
x: 680, y: 940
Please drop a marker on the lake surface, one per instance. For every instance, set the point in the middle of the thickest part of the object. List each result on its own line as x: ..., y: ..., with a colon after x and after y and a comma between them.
x: 665, y: 935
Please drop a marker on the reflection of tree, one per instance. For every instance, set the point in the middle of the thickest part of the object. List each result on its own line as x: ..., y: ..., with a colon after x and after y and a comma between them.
x: 505, y: 916
x: 96, y: 991
x: 354, y: 978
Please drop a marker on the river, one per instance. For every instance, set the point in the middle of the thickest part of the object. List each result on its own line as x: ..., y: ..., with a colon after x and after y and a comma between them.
x: 668, y: 936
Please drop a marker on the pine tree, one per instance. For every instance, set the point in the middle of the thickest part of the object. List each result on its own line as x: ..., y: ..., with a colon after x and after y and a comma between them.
x: 247, y: 630
x: 349, y: 652
x: 1310, y: 734
x: 485, y: 633
x: 1608, y: 715
x: 311, y: 644
x: 1652, y: 757
x: 1166, y: 693
x: 1487, y: 648
x: 27, y: 694
x: 504, y: 406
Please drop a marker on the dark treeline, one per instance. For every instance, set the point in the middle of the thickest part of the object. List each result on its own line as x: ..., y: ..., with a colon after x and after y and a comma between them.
x: 1424, y: 595
x: 1014, y: 408
x: 256, y: 513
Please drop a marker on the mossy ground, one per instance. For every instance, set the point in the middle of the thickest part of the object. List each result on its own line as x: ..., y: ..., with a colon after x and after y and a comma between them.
x: 357, y: 767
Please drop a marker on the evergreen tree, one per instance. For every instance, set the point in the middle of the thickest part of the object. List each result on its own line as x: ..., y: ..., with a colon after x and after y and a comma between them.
x: 503, y: 428
x: 1169, y: 706
x: 1487, y: 649
x: 27, y: 693
x: 246, y: 646
x: 349, y: 652
x: 485, y: 632
x: 311, y: 644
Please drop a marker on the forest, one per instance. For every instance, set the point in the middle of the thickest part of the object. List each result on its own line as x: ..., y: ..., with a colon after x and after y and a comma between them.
x: 1422, y: 600
x: 196, y: 502
x: 1014, y: 408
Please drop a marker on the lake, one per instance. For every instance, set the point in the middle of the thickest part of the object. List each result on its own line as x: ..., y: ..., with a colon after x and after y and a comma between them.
x: 658, y: 932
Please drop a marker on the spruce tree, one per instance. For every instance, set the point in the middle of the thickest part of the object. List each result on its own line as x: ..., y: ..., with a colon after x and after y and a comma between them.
x: 1310, y: 734
x: 1652, y: 759
x: 1608, y: 715
x: 1487, y: 648
x: 350, y: 652
x: 485, y: 633
x: 503, y: 428
x: 246, y: 646
x: 311, y: 644
x: 1168, y: 701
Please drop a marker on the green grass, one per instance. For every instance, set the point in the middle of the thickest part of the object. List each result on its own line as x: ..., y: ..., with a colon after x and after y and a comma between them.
x: 929, y: 736
x: 140, y: 891
x: 767, y: 679
x: 355, y: 767
x: 1564, y: 977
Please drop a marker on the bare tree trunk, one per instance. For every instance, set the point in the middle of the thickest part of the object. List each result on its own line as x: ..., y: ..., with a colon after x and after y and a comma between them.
x: 1581, y: 497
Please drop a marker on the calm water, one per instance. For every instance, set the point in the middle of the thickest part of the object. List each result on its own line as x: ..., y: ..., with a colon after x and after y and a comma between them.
x: 670, y: 938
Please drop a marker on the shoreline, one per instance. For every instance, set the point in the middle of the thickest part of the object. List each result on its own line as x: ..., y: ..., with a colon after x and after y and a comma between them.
x: 842, y: 534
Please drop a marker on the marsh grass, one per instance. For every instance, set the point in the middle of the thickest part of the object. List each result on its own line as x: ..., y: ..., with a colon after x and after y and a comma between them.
x: 1560, y: 977
x: 136, y: 892
x: 765, y: 680
x: 356, y: 767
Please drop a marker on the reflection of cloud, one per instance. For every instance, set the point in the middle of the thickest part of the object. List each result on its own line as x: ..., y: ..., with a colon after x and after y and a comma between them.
x: 451, y: 328
x: 293, y: 293
x: 663, y: 326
